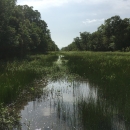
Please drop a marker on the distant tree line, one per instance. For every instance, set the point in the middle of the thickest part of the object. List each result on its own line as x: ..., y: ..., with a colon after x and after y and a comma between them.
x: 22, y: 31
x: 113, y: 35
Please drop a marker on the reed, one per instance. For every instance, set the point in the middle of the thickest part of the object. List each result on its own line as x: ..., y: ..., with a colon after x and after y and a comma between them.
x: 109, y: 71
x: 18, y: 74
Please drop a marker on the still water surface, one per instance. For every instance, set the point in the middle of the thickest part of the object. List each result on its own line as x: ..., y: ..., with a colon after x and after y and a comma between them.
x: 58, y: 100
x: 71, y: 105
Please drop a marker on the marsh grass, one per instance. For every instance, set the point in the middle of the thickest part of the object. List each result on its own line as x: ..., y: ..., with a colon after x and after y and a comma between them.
x: 16, y: 75
x: 101, y: 68
x: 108, y: 66
x: 109, y: 71
x: 94, y: 115
x: 84, y: 114
x: 20, y: 83
x: 8, y: 120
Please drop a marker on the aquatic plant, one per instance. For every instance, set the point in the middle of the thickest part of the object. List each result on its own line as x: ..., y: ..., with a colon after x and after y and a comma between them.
x: 9, y: 119
x: 17, y: 80
x: 16, y: 75
x: 109, y: 71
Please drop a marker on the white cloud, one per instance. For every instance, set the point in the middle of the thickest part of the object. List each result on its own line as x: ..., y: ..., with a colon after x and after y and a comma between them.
x: 52, y: 3
x: 89, y: 21
x: 116, y: 4
x: 121, y: 6
x: 42, y: 3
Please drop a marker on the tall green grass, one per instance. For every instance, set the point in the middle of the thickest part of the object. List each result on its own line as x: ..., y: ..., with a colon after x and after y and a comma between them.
x: 16, y: 75
x: 101, y: 67
x: 109, y: 71
x: 108, y: 66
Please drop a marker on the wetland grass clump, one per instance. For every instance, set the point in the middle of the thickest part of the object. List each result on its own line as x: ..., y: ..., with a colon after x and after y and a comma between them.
x: 100, y: 115
x: 16, y: 75
x: 109, y: 71
x: 105, y: 65
x: 112, y: 68
x: 16, y: 82
x: 94, y: 115
x: 8, y: 120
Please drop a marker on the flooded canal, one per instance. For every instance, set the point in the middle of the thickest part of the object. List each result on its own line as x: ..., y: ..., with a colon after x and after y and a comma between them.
x: 72, y: 105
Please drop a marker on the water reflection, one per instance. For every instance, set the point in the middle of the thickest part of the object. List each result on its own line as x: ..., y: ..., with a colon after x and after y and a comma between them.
x: 58, y: 99
x: 75, y: 105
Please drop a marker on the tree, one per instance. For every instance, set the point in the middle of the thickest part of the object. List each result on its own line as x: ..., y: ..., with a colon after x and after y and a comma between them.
x: 114, y: 34
x: 85, y: 37
x: 22, y: 31
x: 6, y: 32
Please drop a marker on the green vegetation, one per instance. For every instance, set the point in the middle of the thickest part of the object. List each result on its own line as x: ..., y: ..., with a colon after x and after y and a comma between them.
x: 22, y: 34
x: 113, y: 35
x: 16, y: 75
x: 24, y: 37
x: 8, y: 120
x: 16, y: 78
x: 107, y: 71
x: 86, y: 114
x: 22, y: 31
x: 105, y: 66
x: 99, y: 111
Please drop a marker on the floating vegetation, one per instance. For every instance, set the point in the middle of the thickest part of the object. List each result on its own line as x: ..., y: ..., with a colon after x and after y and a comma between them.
x: 9, y: 118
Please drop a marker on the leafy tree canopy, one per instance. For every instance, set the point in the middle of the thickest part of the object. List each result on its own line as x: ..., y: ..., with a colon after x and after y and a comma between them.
x: 113, y: 35
x: 22, y: 31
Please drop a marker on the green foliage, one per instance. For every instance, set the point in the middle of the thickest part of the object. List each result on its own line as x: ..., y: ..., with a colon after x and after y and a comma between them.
x: 113, y: 35
x: 22, y: 31
x: 16, y: 81
x: 101, y: 64
x: 16, y: 75
x: 95, y: 115
x: 109, y: 71
x: 8, y: 120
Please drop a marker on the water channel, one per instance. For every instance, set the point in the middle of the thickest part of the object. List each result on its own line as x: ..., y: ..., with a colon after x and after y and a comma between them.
x: 71, y: 105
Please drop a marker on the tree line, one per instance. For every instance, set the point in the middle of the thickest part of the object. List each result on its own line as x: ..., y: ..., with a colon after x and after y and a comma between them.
x: 113, y: 35
x: 22, y: 31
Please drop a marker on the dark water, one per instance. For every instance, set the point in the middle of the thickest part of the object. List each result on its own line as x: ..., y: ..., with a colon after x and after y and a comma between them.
x: 72, y: 105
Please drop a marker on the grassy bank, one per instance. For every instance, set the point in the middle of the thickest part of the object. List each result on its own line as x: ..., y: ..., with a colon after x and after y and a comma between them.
x: 108, y: 66
x: 19, y: 83
x: 16, y: 75
x: 100, y: 67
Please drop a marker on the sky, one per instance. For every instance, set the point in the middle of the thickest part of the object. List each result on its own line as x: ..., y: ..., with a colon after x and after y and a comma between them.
x: 67, y: 18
